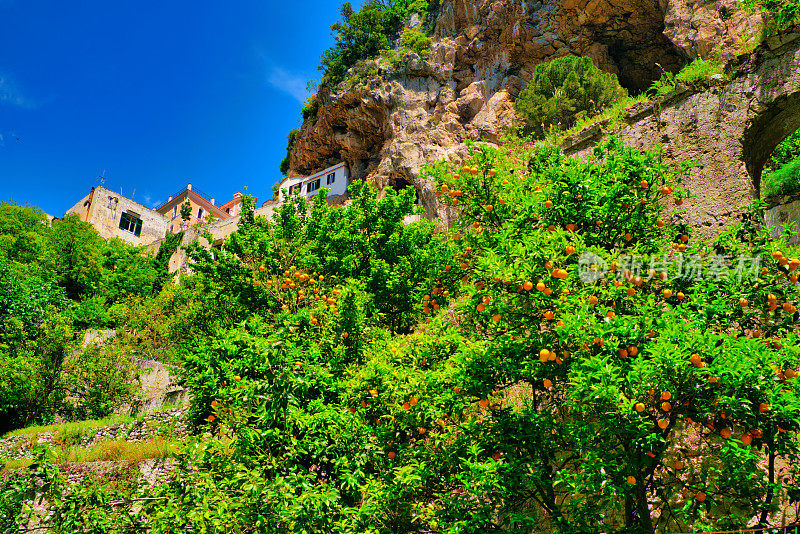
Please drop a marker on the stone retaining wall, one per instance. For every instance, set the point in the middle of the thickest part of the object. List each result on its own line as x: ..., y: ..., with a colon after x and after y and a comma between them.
x: 167, y: 423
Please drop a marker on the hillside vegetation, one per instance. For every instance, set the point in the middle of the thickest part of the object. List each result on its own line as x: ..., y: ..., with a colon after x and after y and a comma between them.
x: 516, y: 372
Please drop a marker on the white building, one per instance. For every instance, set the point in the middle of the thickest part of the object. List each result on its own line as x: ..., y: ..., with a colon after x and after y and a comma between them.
x: 333, y: 178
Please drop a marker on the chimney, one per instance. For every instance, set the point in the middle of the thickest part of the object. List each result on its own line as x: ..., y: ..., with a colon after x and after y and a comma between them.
x: 188, y: 187
x: 237, y: 195
x: 212, y: 202
x: 170, y: 198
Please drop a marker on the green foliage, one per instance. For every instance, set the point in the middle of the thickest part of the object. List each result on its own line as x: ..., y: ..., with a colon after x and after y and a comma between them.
x: 161, y: 264
x: 22, y: 234
x: 781, y: 174
x: 97, y: 379
x: 565, y: 90
x: 55, y: 281
x: 74, y: 248
x: 291, y: 138
x: 310, y: 108
x: 701, y: 69
x: 416, y: 41
x: 783, y: 181
x: 782, y: 13
x: 362, y: 375
x: 362, y: 34
x: 186, y: 212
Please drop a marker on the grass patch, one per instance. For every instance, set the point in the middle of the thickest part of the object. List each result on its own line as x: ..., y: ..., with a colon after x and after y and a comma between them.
x: 72, y: 428
x: 783, y: 181
x: 117, y: 451
x: 613, y: 114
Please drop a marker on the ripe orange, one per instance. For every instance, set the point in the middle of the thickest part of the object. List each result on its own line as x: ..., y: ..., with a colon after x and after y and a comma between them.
x: 630, y: 292
x: 547, y: 291
x: 528, y: 285
x: 373, y: 392
x: 256, y: 283
x: 763, y: 407
x: 481, y: 308
x: 663, y: 423
x: 413, y: 400
x: 677, y: 464
x: 547, y: 383
x: 666, y: 406
x: 667, y: 293
x: 548, y: 203
x: 744, y: 303
x: 777, y: 255
x: 623, y: 353
x: 237, y: 378
x: 700, y: 496
x: 391, y: 455
x: 496, y: 317
x: 680, y: 295
x: 548, y: 265
x: 631, y: 480
x: 695, y: 359
x: 571, y: 227
x: 639, y: 407
x: 726, y: 433
x: 660, y: 223
x: 214, y: 403
x: 457, y: 389
x: 666, y: 395
x: 570, y: 250
x: 484, y: 403
x: 643, y: 184
x: 633, y: 350
x: 610, y: 314
x: 747, y: 439
x: 488, y: 207
x: 540, y: 286
x: 593, y: 300
x: 628, y: 237
x: 549, y: 315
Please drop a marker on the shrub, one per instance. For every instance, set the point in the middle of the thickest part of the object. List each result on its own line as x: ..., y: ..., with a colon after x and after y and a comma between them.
x: 781, y: 13
x: 416, y: 41
x: 565, y: 90
x: 783, y: 181
x: 310, y: 108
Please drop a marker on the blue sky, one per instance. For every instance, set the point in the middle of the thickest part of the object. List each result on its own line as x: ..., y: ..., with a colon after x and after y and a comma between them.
x: 154, y: 93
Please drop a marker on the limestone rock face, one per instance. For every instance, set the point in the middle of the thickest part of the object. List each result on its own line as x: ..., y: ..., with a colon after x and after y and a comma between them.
x: 482, y: 55
x: 697, y: 27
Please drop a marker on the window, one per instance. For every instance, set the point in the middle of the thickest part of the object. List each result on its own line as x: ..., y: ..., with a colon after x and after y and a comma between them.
x: 294, y: 188
x: 174, y: 211
x: 200, y: 213
x: 313, y: 186
x: 131, y: 222
x: 331, y: 178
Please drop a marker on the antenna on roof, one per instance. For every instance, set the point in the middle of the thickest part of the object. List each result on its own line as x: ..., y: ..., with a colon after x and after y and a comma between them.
x: 102, y: 178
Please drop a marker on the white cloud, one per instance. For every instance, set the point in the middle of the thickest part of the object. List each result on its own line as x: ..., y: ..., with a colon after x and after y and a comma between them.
x: 11, y: 94
x: 292, y: 84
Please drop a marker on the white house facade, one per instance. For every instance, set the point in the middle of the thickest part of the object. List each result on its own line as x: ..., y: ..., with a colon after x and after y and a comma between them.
x: 334, y: 179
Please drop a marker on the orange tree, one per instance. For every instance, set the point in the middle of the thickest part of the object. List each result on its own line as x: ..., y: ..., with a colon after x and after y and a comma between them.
x: 568, y: 370
x: 633, y: 377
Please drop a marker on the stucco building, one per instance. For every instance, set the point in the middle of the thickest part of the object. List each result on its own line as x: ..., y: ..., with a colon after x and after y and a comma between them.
x: 203, y: 206
x: 333, y: 178
x: 114, y: 215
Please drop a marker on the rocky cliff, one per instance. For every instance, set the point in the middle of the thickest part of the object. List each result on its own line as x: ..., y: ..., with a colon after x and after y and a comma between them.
x: 388, y: 125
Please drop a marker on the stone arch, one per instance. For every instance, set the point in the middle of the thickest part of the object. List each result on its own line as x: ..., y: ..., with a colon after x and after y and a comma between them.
x: 767, y: 129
